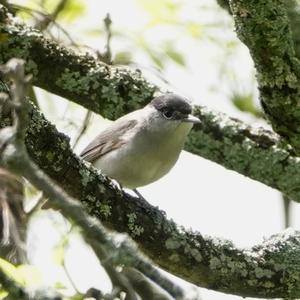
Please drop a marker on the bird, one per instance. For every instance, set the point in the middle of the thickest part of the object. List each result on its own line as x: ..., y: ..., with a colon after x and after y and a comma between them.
x: 142, y: 146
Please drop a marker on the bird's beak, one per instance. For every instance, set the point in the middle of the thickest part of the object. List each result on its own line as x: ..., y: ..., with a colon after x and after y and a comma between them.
x: 191, y: 119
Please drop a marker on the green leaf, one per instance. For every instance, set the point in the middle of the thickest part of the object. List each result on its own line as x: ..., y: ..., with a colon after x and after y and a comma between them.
x: 79, y: 297
x: 157, y: 59
x: 59, y: 254
x: 95, y: 32
x: 25, y: 275
x: 31, y: 275
x: 160, y: 11
x: 3, y: 294
x: 195, y: 30
x: 245, y: 103
x: 59, y: 250
x: 123, y: 58
x: 59, y: 285
x: 11, y: 271
x: 176, y: 56
x: 72, y: 10
x: 30, y: 191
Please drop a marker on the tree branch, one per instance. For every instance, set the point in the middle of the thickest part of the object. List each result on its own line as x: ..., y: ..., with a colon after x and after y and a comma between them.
x: 265, y: 29
x: 293, y: 12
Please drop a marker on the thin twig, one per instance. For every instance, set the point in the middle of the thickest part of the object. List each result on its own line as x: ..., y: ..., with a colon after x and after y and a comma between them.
x: 286, y: 210
x: 105, y: 57
x: 49, y: 18
x: 146, y: 288
x: 31, y: 11
x: 146, y: 268
x: 69, y: 276
x: 107, y: 54
x: 83, y: 128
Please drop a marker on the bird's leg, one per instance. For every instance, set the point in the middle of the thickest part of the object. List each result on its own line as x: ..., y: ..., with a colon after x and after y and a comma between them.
x: 134, y: 190
x: 139, y: 194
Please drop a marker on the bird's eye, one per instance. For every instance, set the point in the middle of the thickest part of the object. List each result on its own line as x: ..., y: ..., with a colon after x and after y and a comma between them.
x: 168, y: 113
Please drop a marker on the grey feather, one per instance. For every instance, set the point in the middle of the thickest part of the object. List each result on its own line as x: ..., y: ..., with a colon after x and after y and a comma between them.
x: 108, y: 140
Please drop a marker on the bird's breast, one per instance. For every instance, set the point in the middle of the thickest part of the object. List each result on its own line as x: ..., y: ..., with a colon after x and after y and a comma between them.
x: 145, y: 159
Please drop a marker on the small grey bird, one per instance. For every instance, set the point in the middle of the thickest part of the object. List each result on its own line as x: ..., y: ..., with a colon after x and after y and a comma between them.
x: 142, y: 146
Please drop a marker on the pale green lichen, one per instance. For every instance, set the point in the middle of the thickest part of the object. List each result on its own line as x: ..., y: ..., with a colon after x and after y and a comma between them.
x: 31, y: 67
x: 85, y: 175
x: 172, y: 244
x: 136, y: 230
x: 252, y: 282
x: 214, y: 263
x: 260, y: 273
x: 91, y: 198
x: 64, y: 144
x: 195, y: 253
x: 50, y: 155
x: 269, y: 285
x: 105, y: 209
x: 73, y: 81
x: 174, y: 257
x: 87, y: 206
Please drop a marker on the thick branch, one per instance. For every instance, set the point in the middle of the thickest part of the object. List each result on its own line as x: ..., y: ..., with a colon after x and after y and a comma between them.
x: 264, y: 27
x: 293, y: 14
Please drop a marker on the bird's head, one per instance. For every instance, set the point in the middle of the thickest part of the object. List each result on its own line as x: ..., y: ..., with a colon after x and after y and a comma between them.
x: 171, y: 111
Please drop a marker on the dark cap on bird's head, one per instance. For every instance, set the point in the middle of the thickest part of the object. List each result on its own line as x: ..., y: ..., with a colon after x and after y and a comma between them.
x: 174, y: 106
x: 172, y: 101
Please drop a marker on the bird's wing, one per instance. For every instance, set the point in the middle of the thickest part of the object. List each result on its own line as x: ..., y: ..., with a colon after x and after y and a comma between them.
x: 108, y: 140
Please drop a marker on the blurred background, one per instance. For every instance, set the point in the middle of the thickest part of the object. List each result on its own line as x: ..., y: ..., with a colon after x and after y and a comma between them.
x: 188, y: 47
